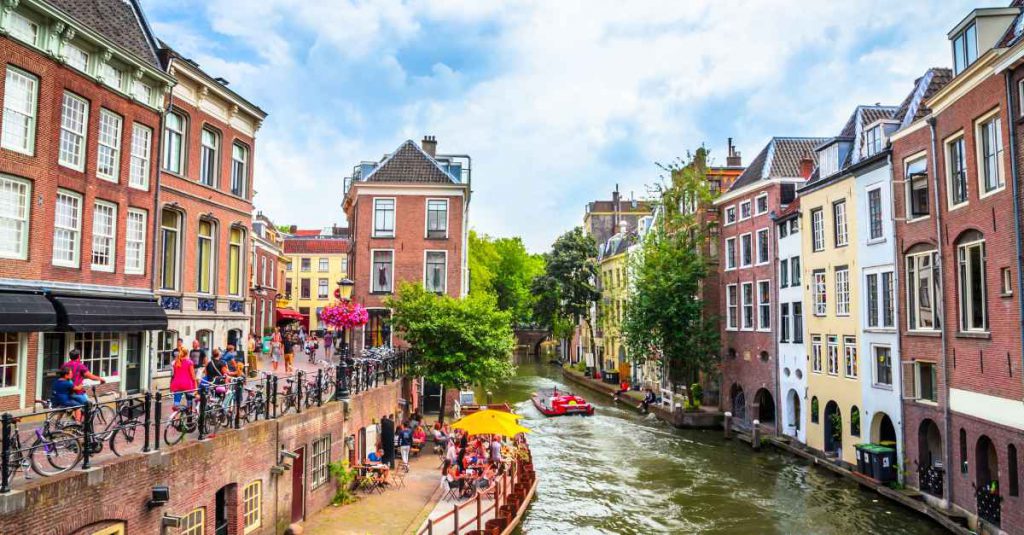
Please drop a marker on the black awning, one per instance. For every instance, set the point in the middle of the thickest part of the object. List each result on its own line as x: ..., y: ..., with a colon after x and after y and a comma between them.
x: 91, y: 314
x: 25, y: 312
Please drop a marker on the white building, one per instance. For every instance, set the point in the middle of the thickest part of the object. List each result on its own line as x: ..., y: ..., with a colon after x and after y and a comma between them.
x: 792, y: 354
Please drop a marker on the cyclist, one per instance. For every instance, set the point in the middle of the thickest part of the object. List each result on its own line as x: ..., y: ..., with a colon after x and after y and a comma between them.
x: 79, y: 373
x: 61, y: 390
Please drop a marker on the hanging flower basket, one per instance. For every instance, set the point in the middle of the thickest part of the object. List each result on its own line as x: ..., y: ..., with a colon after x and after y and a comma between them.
x: 344, y: 315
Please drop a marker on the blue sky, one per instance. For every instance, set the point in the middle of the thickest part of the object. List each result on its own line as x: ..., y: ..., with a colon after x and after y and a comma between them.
x: 557, y: 102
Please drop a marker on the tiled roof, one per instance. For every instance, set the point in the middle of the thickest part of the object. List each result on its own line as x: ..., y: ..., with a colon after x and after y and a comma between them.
x: 316, y: 246
x: 779, y: 159
x: 792, y: 208
x: 870, y: 114
x: 409, y: 164
x: 306, y: 232
x: 913, y: 108
x: 121, y: 21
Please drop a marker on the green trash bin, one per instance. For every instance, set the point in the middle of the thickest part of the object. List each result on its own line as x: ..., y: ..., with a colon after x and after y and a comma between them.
x: 863, y: 460
x: 883, y: 463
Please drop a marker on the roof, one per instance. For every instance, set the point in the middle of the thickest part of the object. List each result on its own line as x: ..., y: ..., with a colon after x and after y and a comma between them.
x: 617, y: 244
x: 624, y: 206
x: 120, y: 21
x: 854, y: 132
x: 409, y: 163
x: 306, y: 232
x: 316, y: 245
x: 1015, y: 31
x: 168, y: 53
x: 913, y: 108
x: 780, y: 158
x: 791, y: 209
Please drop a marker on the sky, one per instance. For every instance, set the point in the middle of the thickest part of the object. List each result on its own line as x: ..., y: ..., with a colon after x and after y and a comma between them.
x: 556, y: 101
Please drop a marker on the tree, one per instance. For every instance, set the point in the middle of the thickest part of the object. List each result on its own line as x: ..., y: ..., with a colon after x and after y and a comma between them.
x: 458, y: 342
x: 566, y: 290
x: 665, y: 310
x: 504, y: 269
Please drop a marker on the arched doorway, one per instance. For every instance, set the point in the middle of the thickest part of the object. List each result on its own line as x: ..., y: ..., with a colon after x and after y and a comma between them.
x: 833, y: 428
x: 930, y: 471
x: 765, y: 403
x: 882, y: 429
x: 986, y: 473
x: 739, y: 402
x: 792, y: 412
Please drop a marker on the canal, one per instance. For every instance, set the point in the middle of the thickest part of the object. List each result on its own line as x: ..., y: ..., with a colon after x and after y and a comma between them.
x: 620, y: 472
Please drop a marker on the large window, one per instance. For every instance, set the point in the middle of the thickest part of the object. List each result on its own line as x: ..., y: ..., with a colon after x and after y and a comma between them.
x: 990, y: 155
x: 875, y: 214
x: 194, y: 523
x: 883, y: 365
x: 73, y: 122
x: 67, y: 224
x: 76, y: 57
x: 239, y: 169
x: 305, y: 291
x: 435, y: 273
x: 922, y: 291
x: 842, y: 291
x: 174, y: 142
x: 112, y: 76
x: 730, y: 253
x: 99, y: 352
x: 833, y: 354
x: 15, y: 204
x: 747, y: 296
x: 730, y: 215
x: 917, y: 187
x: 170, y: 236
x: 873, y: 141
x: 319, y: 458
x: 746, y: 251
x: 324, y: 265
x: 382, y: 269
x: 166, y: 349
x: 956, y: 172
x: 252, y: 506
x: 22, y: 28
x: 784, y: 323
x: 798, y: 322
x: 795, y: 273
x: 209, y: 156
x: 819, y: 293
x: 322, y: 288
x: 965, y: 49
x: 204, y: 257
x: 305, y: 265
x: 888, y: 301
x: 818, y: 229
x: 764, y: 306
x: 972, y: 286
x: 850, y: 356
x: 816, y: 351
x: 762, y: 246
x: 142, y: 140
x: 235, y: 262
x: 784, y: 273
x: 108, y: 152
x: 879, y: 299
x: 383, y: 218
x: 871, y: 294
x: 10, y: 357
x: 732, y: 304
x: 104, y: 225
x: 437, y: 218
x: 839, y: 223
x: 21, y: 92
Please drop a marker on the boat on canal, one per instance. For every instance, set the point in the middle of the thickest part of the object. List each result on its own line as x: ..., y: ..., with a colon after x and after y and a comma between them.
x: 555, y: 403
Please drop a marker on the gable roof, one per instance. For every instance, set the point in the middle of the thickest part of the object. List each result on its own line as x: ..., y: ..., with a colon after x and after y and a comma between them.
x: 120, y: 21
x: 913, y: 106
x: 410, y: 164
x: 780, y: 158
x: 316, y: 245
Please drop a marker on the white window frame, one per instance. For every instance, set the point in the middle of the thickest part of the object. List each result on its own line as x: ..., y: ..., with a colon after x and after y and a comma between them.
x: 142, y: 92
x: 111, y: 145
x: 749, y: 248
x: 757, y: 202
x: 851, y: 367
x: 239, y: 169
x: 749, y: 210
x: 171, y: 160
x: 817, y: 229
x: 731, y: 209
x: 323, y: 288
x: 875, y: 361
x: 16, y: 18
x: 81, y: 57
x: 842, y: 278
x: 28, y: 116
x: 767, y: 250
x: 112, y: 75
x: 252, y: 506
x: 323, y: 265
x: 965, y: 294
x: 917, y: 382
x: 110, y: 365
x: 947, y: 153
x: 139, y: 241
x: 881, y: 215
x: 70, y: 134
x: 873, y: 140
x: 426, y: 217
x: 139, y: 164
x: 385, y: 233
x: 391, y: 281
x: 912, y: 262
x: 730, y: 259
x: 819, y: 292
x: 209, y: 157
x: 319, y: 461
x: 979, y: 147
x: 747, y: 306
x: 76, y: 230
x: 832, y: 354
x: 732, y: 307
x: 764, y: 301
x: 840, y: 222
x: 817, y: 354
x: 111, y: 238
x: 20, y: 220
x: 444, y: 282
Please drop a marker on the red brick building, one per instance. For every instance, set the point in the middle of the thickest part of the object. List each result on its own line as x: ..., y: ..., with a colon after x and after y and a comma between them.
x: 203, y: 224
x: 747, y: 274
x: 267, y: 273
x: 81, y: 98
x: 958, y: 252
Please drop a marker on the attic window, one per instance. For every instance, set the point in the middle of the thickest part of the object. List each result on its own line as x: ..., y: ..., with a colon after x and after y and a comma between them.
x: 828, y: 160
x: 965, y: 49
x: 873, y: 141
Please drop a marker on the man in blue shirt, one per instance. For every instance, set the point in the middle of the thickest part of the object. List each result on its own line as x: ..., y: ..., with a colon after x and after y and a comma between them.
x: 62, y: 389
x: 405, y: 442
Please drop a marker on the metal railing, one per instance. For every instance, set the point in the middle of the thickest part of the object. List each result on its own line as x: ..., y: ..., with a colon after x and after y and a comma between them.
x: 55, y: 440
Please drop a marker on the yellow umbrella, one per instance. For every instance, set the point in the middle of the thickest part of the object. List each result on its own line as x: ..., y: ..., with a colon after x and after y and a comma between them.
x: 490, y: 422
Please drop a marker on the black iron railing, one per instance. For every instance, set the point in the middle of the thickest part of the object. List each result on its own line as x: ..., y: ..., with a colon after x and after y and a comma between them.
x: 989, y: 505
x: 931, y: 479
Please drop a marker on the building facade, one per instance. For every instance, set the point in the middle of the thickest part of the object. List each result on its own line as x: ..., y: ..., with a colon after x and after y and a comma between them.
x: 266, y: 274
x: 612, y: 269
x: 315, y: 265
x: 791, y: 331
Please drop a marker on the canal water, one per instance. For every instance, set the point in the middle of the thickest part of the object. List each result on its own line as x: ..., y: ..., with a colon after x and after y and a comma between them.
x: 620, y: 472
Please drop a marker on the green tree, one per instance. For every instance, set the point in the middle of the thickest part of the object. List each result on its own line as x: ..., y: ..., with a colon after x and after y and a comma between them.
x: 458, y: 342
x: 503, y: 268
x: 566, y: 290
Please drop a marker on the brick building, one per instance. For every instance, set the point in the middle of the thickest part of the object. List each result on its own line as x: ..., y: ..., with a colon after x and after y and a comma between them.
x: 317, y: 261
x: 205, y: 212
x: 82, y: 92
x: 267, y: 274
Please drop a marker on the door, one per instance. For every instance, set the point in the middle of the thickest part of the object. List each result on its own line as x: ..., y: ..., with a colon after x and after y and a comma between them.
x: 431, y: 398
x: 299, y: 485
x: 53, y: 359
x: 133, y: 363
x: 220, y: 525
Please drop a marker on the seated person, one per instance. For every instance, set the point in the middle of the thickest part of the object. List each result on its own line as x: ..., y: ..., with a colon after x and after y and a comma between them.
x: 419, y: 436
x: 648, y: 400
x: 62, y: 390
x: 376, y: 460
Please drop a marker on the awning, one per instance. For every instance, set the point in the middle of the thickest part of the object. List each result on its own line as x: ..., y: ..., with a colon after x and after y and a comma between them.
x: 286, y: 314
x: 92, y: 314
x: 26, y: 312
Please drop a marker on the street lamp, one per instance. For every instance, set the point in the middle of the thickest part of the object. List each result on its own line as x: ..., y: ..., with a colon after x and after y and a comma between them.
x: 344, y: 293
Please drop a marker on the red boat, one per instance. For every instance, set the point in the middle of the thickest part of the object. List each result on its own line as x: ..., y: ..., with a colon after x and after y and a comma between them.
x: 555, y: 403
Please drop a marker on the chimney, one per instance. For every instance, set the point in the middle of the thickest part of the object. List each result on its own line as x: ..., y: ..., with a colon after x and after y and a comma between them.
x: 806, y: 167
x: 292, y: 229
x: 615, y: 208
x: 733, y: 158
x: 429, y: 145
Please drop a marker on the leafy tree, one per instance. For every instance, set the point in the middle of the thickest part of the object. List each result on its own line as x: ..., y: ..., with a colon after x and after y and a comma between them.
x: 458, y: 342
x: 504, y: 269
x: 566, y: 290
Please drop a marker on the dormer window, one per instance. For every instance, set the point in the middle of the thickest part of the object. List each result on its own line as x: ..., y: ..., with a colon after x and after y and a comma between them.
x: 113, y: 76
x: 873, y: 141
x: 965, y: 49
x: 828, y: 160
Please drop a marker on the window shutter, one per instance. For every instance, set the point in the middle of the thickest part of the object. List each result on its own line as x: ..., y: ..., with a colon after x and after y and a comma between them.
x: 908, y: 378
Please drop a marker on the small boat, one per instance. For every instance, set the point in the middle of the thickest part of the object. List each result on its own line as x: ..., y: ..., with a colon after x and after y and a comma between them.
x: 555, y: 403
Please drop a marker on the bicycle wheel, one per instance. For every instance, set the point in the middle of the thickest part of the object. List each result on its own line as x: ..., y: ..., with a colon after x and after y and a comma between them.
x: 55, y: 453
x: 103, y: 419
x: 176, y: 429
x: 123, y: 440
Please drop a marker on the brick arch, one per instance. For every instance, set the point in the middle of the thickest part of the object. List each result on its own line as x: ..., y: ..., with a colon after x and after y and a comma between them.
x: 920, y: 246
x: 85, y: 520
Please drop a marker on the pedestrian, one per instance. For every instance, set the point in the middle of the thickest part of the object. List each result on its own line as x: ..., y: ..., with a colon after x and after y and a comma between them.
x: 198, y: 354
x: 405, y: 442
x: 289, y: 354
x: 183, y: 377
x: 275, y: 354
x: 328, y: 340
x: 496, y: 449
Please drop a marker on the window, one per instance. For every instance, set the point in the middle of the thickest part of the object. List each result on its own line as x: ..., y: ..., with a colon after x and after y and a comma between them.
x: 731, y: 310
x: 798, y: 323
x: 784, y: 322
x: 239, y: 169
x: 194, y: 523
x: 204, y: 258
x: 170, y: 232
x: 794, y: 267
x: 854, y: 421
x: 209, y: 147
x: 1011, y: 464
x: 871, y: 290
x: 965, y: 49
x: 816, y: 353
x: 319, y: 458
x: 322, y: 289
x: 22, y: 28
x: 166, y: 349
x: 963, y: 451
x: 142, y: 92
x: 850, y: 356
x: 730, y: 215
x: 1005, y: 277
x: 794, y: 226
x: 761, y: 204
x: 839, y: 222
x: 820, y: 298
x: 818, y: 229
x: 383, y: 218
x: 990, y: 155
x: 784, y: 273
x: 762, y: 246
x: 252, y: 506
x: 435, y: 272
x: 764, y: 306
x: 747, y: 296
x: 67, y: 224
x: 104, y: 225
x: 833, y: 355
x: 746, y: 254
x: 783, y: 229
x: 730, y: 253
x: 972, y: 286
x: 925, y: 381
x: 304, y: 289
x: 878, y: 289
x: 875, y: 214
x: 263, y: 271
x: 956, y: 172
x: 324, y: 265
x: 15, y: 203
x: 883, y: 365
x: 744, y: 210
x: 10, y: 357
x: 344, y: 264
x: 380, y: 274
x: 437, y: 218
x: 235, y: 262
x: 828, y: 160
x: 873, y: 141
x: 842, y: 291
x: 174, y: 147
x: 288, y: 288
x: 112, y: 76
x: 306, y: 265
x: 73, y: 121
x: 922, y: 286
x: 76, y: 57
x: 19, y: 119
x: 108, y: 157
x: 99, y: 352
x: 917, y: 187
x: 888, y: 304
x: 814, y: 410
x: 138, y: 170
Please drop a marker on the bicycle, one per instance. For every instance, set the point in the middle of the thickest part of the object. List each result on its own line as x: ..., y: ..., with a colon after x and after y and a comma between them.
x: 183, y: 421
x: 52, y: 452
x: 254, y: 405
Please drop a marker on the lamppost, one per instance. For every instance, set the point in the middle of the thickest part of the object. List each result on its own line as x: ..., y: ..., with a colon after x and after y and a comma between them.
x: 344, y: 293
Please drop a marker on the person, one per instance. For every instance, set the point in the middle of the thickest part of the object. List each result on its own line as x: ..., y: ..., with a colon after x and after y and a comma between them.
x: 310, y: 348
x: 79, y: 373
x: 419, y: 436
x: 275, y: 355
x: 198, y: 354
x: 230, y: 354
x: 183, y: 377
x: 61, y: 390
x: 451, y: 456
x: 404, y: 441
x: 328, y: 340
x: 376, y: 459
x: 496, y: 449
x: 648, y: 399
x: 414, y: 422
x: 289, y: 354
x: 214, y: 372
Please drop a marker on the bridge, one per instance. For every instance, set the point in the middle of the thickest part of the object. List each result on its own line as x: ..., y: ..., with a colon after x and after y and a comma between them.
x: 530, y: 338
